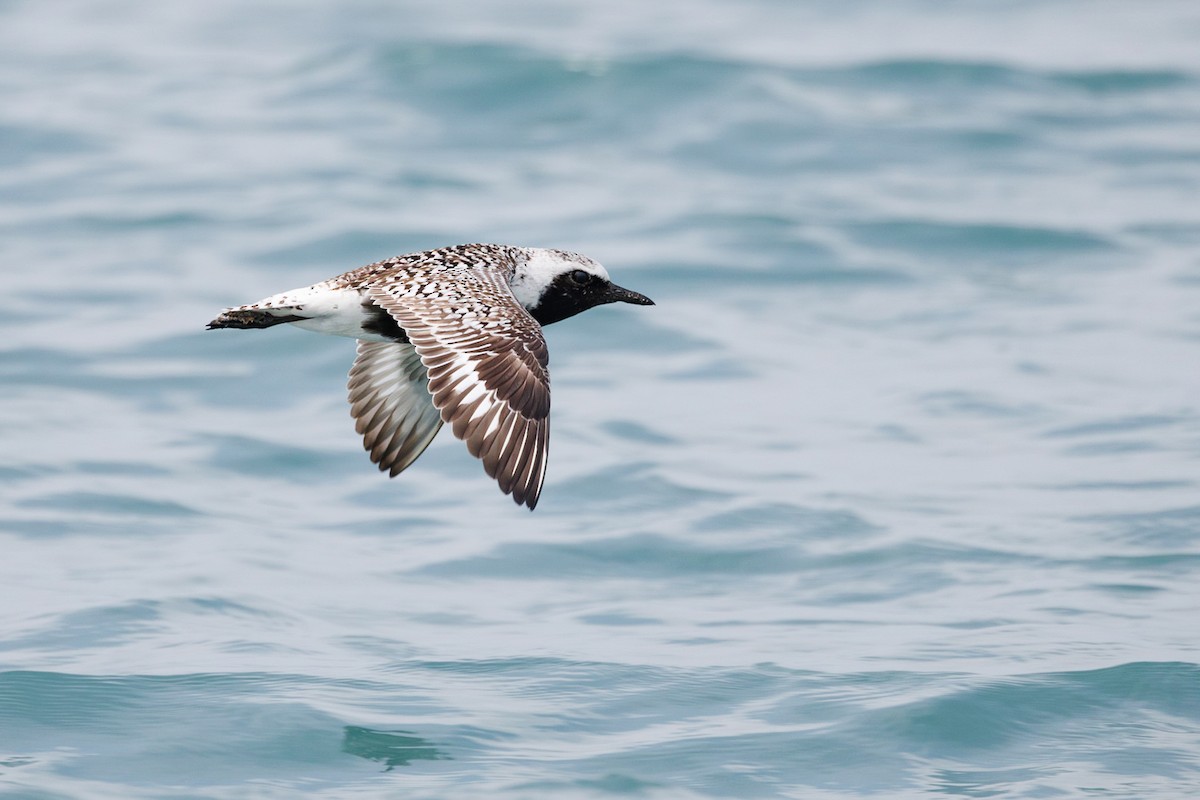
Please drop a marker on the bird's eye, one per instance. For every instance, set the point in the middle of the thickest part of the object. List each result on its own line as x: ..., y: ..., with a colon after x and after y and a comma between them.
x: 581, y: 278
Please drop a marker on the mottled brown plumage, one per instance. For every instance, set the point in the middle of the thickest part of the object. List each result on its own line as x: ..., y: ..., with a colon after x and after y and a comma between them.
x: 487, y: 364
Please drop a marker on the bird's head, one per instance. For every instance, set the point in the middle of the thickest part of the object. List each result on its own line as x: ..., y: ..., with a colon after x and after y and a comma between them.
x: 555, y: 284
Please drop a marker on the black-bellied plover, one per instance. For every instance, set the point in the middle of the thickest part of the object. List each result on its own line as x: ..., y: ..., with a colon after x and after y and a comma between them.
x: 454, y: 336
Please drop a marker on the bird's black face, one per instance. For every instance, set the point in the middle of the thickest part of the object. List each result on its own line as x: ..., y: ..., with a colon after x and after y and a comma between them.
x: 578, y: 290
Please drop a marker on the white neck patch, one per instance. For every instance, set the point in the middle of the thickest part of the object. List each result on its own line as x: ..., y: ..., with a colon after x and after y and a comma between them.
x: 541, y: 267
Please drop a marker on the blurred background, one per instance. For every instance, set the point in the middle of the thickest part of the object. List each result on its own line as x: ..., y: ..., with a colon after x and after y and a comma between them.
x: 895, y: 493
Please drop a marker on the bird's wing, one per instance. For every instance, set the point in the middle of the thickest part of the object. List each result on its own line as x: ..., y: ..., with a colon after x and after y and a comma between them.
x: 391, y: 404
x: 487, y: 363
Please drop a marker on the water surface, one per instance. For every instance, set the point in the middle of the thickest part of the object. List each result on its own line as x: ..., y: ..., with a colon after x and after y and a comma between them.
x: 895, y: 493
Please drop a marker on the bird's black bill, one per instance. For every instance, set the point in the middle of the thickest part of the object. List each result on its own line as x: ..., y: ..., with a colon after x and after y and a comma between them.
x: 617, y: 294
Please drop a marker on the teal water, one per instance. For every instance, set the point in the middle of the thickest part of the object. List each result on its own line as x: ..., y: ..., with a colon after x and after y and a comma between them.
x: 895, y: 493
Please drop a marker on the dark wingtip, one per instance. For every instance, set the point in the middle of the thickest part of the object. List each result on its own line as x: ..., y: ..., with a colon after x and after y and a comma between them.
x: 530, y: 500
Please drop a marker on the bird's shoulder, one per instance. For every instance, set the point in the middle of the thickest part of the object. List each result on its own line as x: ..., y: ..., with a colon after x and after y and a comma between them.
x: 444, y: 272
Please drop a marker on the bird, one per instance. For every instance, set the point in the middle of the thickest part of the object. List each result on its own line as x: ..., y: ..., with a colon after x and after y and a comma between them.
x: 450, y: 336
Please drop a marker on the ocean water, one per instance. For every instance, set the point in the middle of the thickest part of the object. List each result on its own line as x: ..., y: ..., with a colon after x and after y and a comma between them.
x: 894, y: 494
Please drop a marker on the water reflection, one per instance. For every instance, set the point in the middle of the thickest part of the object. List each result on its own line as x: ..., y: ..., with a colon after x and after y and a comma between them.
x: 391, y: 748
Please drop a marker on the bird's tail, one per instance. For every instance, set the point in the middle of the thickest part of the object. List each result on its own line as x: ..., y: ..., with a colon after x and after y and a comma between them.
x: 248, y: 317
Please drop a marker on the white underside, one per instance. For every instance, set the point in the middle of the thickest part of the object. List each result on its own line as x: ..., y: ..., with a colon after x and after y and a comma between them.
x: 336, y: 312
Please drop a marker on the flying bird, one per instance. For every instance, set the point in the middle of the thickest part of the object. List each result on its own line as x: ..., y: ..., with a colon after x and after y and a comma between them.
x: 450, y: 336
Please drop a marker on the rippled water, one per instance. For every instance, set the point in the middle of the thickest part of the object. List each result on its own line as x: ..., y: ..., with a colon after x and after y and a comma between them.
x: 895, y: 493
